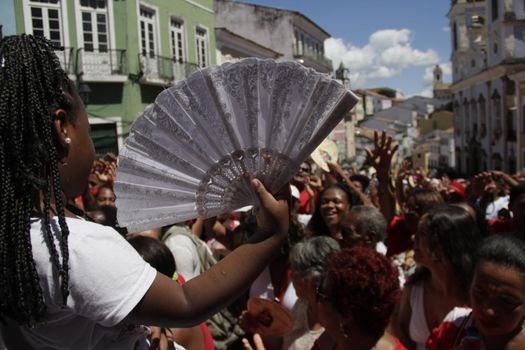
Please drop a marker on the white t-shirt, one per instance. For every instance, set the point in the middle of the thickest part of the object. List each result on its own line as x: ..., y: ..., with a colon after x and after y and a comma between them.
x: 491, y: 213
x: 107, y: 279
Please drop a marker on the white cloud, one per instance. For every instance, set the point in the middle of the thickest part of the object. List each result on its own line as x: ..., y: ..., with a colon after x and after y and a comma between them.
x: 447, y: 69
x: 446, y: 29
x: 404, y: 56
x: 426, y: 92
x: 428, y: 77
x: 383, y: 39
x: 387, y: 53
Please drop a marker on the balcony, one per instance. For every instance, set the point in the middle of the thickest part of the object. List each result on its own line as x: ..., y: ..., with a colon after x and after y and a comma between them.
x: 163, y: 71
x: 318, y: 62
x: 182, y: 70
x: 65, y: 57
x: 102, y: 66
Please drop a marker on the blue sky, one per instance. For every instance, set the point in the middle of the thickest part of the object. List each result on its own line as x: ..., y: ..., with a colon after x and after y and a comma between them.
x: 393, y: 43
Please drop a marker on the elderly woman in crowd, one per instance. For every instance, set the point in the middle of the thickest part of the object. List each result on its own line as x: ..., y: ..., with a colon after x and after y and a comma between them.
x: 307, y: 260
x: 364, y: 226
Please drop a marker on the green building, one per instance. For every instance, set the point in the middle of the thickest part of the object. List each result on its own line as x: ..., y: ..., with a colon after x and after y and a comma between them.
x: 121, y: 53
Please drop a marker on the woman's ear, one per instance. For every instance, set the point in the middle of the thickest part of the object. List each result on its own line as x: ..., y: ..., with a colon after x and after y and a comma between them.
x: 60, y: 134
x: 60, y: 127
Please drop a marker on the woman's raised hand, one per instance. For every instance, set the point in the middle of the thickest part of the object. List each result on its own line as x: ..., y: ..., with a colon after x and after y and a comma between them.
x: 381, y: 156
x: 336, y: 170
x: 273, y: 214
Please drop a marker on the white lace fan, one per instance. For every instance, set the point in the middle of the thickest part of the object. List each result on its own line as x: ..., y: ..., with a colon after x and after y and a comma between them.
x: 187, y: 153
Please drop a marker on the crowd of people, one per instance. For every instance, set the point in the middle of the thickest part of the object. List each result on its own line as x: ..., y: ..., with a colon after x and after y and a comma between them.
x: 387, y: 258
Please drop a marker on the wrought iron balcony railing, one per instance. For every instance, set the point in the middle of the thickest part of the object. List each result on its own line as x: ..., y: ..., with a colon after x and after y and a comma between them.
x: 319, y: 58
x: 101, y: 65
x: 164, y: 70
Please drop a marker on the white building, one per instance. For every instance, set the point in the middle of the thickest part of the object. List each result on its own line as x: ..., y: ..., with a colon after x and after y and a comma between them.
x: 290, y: 34
x: 434, y: 148
x: 403, y: 120
x: 488, y: 61
x: 231, y: 47
x: 371, y: 102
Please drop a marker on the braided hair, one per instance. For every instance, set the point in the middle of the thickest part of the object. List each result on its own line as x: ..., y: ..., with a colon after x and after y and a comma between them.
x: 32, y: 87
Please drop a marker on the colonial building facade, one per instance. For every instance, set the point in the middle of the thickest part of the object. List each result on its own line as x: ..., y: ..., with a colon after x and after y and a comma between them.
x: 121, y: 54
x: 488, y: 61
x: 290, y: 34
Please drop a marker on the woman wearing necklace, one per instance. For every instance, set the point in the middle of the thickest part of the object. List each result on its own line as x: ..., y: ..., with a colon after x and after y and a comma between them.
x: 355, y: 301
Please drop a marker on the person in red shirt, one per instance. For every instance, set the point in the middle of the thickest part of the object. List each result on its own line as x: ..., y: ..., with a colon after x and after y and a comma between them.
x: 402, y: 228
x: 307, y: 194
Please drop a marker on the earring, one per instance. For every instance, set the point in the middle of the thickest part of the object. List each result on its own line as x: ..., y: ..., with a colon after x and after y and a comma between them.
x: 67, y: 140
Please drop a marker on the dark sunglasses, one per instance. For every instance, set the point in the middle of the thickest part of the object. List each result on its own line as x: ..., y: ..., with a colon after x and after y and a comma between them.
x: 305, y: 169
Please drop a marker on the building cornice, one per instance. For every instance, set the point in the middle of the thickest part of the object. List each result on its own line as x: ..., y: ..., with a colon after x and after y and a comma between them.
x: 487, y: 75
x: 227, y: 38
x: 296, y: 13
x: 202, y: 7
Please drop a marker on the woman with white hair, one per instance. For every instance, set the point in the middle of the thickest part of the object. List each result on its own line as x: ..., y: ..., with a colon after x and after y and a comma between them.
x: 307, y: 260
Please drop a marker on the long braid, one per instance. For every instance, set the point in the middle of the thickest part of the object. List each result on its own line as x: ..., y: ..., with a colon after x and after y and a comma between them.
x: 32, y: 85
x: 59, y: 204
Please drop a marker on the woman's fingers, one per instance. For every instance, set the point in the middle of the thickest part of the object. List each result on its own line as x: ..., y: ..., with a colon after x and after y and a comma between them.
x: 265, y: 197
x: 246, y: 344
x: 257, y: 340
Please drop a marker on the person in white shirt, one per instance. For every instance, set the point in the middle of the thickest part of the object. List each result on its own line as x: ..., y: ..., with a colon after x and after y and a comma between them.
x: 70, y: 284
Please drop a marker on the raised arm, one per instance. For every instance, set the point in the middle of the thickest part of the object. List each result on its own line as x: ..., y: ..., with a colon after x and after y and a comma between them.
x: 168, y: 304
x: 480, y: 187
x: 497, y: 174
x: 381, y: 159
x: 401, y: 175
x: 337, y: 172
